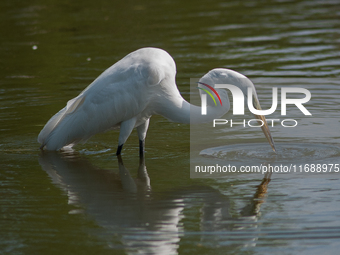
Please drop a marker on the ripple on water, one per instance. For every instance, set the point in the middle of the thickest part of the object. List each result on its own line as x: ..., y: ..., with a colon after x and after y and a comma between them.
x: 285, y: 152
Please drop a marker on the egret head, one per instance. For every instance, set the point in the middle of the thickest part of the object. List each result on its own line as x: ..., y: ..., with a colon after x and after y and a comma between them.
x: 224, y: 76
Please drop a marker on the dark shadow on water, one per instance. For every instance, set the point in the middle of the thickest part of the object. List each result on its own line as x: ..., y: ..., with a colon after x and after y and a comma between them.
x: 147, y: 222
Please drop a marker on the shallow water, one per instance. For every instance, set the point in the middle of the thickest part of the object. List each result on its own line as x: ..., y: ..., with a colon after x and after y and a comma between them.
x: 285, y: 152
x: 89, y: 202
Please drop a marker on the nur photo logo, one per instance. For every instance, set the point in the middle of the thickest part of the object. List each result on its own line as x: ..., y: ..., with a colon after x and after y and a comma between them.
x: 238, y: 100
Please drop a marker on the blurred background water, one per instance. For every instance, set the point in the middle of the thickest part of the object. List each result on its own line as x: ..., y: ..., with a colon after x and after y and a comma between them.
x: 89, y: 202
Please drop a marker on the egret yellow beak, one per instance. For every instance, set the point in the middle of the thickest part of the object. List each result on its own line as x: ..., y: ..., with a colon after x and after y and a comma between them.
x: 264, y: 127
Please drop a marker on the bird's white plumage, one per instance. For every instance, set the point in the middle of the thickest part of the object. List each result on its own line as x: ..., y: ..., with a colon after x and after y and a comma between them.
x: 120, y: 93
x: 126, y: 95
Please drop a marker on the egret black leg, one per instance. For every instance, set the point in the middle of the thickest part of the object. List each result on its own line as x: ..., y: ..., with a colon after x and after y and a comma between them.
x: 141, y: 148
x: 119, y: 149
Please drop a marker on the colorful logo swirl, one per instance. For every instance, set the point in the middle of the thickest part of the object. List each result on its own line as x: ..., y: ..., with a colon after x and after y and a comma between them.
x: 207, y: 91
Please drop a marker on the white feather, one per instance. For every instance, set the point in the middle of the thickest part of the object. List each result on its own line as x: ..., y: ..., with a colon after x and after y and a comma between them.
x: 127, y: 94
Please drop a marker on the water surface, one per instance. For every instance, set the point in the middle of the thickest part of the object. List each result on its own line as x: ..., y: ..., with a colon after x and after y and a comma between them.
x: 89, y: 202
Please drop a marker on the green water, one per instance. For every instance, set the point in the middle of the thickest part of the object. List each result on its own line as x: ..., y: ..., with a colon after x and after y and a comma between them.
x: 87, y: 203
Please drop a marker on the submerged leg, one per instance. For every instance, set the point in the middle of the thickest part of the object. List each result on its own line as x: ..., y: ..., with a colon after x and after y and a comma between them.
x: 125, y: 131
x: 142, y: 130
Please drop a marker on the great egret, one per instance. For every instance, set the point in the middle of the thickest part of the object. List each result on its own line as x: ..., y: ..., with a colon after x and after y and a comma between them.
x: 128, y: 93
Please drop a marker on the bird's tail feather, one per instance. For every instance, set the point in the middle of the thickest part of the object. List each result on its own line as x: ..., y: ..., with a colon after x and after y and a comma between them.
x: 48, y: 131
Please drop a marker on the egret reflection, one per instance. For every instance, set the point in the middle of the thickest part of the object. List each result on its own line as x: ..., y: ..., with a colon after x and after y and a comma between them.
x: 145, y: 221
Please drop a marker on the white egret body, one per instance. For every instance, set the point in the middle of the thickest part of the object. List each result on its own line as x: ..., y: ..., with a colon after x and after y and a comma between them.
x: 128, y: 93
